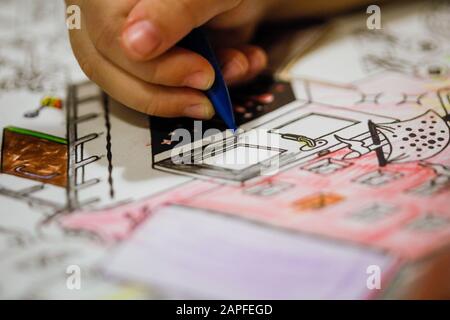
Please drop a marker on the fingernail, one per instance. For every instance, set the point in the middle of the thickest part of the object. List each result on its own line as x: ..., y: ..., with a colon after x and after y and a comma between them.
x: 142, y: 38
x: 259, y: 61
x: 200, y: 111
x: 232, y: 70
x: 199, y: 80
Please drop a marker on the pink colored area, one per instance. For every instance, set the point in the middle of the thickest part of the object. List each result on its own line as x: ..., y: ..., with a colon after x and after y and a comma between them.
x: 116, y: 224
x: 390, y: 230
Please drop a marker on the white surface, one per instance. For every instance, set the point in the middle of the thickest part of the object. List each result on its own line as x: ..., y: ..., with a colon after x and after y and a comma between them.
x: 240, y: 158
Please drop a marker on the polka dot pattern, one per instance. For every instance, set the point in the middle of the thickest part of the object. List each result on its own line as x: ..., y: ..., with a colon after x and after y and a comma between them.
x: 416, y: 139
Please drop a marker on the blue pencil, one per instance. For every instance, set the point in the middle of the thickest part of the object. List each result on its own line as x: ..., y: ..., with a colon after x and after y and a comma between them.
x: 218, y: 94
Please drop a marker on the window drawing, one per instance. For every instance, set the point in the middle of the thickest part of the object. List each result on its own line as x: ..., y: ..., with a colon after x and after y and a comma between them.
x: 429, y: 223
x: 378, y: 178
x: 326, y: 166
x: 268, y: 189
x: 374, y: 213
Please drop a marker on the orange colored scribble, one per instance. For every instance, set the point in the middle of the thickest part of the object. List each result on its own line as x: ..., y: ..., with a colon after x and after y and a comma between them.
x: 317, y: 201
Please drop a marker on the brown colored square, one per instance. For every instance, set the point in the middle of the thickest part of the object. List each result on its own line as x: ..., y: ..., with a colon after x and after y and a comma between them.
x: 34, y: 158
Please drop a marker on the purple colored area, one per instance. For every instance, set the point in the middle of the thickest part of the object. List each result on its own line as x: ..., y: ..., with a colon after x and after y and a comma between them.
x: 217, y: 257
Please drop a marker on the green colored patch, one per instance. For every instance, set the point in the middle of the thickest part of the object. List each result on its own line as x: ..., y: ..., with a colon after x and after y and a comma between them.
x: 37, y: 135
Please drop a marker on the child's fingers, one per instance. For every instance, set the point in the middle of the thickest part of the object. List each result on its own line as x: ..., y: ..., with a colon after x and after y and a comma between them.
x: 257, y: 58
x: 235, y: 64
x: 242, y: 64
x: 153, y: 26
x: 177, y: 67
x: 135, y: 93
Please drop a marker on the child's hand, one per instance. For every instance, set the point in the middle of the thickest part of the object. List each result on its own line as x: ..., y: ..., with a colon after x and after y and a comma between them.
x: 128, y: 48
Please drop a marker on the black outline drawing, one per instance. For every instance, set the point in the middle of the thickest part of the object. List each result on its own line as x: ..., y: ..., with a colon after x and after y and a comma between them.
x: 444, y: 99
x: 413, y: 98
x: 371, y: 179
x: 192, y: 163
x: 105, y: 103
x: 188, y: 165
x: 353, y: 122
x: 327, y: 166
x: 439, y: 183
x: 406, y: 55
x: 396, y: 156
x: 369, y: 98
x: 77, y: 162
x: 268, y: 188
x: 373, y: 213
x: 428, y: 222
x: 27, y: 195
x: 382, y: 161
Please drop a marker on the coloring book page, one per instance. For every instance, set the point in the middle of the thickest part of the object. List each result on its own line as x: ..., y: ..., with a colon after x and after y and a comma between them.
x: 348, y: 153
